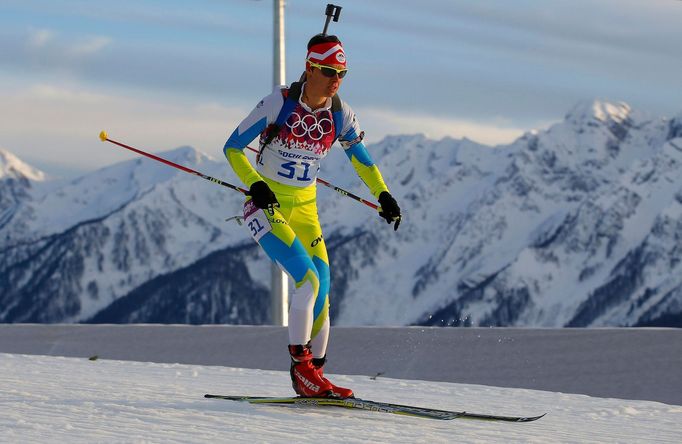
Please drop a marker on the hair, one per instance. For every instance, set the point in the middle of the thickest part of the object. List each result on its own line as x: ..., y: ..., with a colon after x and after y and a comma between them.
x: 322, y: 38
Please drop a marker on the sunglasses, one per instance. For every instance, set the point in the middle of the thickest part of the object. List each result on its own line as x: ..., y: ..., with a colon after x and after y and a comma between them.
x: 329, y: 71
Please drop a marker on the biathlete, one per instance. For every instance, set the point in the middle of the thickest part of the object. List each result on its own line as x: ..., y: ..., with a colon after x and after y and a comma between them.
x: 297, y: 127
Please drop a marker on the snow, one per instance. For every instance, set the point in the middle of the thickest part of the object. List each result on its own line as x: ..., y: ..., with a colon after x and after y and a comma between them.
x: 55, y: 399
x: 12, y: 166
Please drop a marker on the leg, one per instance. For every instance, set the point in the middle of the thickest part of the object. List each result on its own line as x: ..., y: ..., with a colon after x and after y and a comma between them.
x: 305, y: 223
x: 320, y: 340
x: 311, y: 237
x: 284, y: 247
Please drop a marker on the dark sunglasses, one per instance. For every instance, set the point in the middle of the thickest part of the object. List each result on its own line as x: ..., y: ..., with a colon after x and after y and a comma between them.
x: 329, y: 71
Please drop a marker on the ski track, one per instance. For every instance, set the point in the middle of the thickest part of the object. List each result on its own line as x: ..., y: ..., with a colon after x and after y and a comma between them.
x: 55, y: 399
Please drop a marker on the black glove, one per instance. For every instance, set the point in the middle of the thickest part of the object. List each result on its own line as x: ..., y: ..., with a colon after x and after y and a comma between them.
x: 262, y: 196
x: 389, y: 209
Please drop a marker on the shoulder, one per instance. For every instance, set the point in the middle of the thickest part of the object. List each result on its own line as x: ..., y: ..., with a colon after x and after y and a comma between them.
x: 351, y: 127
x: 346, y: 108
x: 264, y: 113
x: 274, y: 99
x: 270, y: 105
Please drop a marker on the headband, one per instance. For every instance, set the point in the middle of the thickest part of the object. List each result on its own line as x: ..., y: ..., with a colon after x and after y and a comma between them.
x: 328, y: 53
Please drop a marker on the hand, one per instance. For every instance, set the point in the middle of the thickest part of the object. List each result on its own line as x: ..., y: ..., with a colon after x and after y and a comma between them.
x: 389, y: 209
x: 262, y: 196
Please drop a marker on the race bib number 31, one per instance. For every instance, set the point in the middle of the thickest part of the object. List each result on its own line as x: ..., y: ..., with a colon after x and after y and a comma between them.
x: 256, y: 221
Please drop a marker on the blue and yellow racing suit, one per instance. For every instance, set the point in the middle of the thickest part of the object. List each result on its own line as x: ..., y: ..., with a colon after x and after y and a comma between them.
x: 292, y: 236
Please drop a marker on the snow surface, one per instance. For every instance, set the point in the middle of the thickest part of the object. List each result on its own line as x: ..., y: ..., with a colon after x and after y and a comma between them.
x: 54, y: 399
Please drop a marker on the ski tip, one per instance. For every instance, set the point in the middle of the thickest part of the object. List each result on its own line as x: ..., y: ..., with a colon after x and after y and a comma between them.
x: 103, y: 136
x: 532, y: 418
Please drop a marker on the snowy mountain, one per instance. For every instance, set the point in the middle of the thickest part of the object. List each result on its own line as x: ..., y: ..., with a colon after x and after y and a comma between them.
x: 16, y: 179
x: 71, y: 252
x: 577, y: 225
x: 11, y: 167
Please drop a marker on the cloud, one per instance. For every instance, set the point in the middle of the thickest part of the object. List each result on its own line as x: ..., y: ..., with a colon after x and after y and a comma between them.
x: 47, y: 93
x: 89, y: 46
x: 53, y: 124
x: 243, y: 17
x: 38, y: 38
x: 60, y: 125
x: 47, y: 41
x: 48, y: 55
x: 438, y: 57
x: 489, y: 132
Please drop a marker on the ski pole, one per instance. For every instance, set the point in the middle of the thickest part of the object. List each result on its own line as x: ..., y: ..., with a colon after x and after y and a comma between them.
x: 348, y: 193
x: 339, y: 190
x: 105, y: 138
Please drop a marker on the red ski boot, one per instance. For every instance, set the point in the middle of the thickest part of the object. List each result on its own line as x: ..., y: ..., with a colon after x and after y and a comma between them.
x: 337, y: 392
x: 305, y: 379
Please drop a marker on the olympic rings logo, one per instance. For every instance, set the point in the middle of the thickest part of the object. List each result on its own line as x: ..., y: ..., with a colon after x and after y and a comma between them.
x: 309, y: 125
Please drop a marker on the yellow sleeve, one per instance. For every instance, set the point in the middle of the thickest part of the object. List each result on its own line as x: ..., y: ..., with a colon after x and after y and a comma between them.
x: 242, y: 167
x: 366, y: 169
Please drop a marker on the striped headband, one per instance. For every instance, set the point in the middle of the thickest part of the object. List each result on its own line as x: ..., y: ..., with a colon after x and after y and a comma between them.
x: 328, y: 53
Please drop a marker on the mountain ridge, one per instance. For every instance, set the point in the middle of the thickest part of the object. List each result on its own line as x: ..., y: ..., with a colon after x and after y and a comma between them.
x: 569, y: 226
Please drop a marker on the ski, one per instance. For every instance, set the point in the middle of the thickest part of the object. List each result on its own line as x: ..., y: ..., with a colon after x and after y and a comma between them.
x: 385, y: 407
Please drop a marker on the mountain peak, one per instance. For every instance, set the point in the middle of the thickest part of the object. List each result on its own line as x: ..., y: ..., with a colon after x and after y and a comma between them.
x: 12, y: 166
x: 600, y: 111
x: 185, y: 155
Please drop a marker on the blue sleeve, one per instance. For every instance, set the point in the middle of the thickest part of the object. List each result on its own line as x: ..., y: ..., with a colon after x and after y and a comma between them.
x: 360, y: 152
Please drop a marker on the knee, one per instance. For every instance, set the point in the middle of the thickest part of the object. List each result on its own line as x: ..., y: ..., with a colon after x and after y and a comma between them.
x: 306, y: 292
x: 323, y: 272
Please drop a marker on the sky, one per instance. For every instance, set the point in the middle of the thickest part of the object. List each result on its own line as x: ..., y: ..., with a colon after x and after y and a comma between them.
x: 159, y: 74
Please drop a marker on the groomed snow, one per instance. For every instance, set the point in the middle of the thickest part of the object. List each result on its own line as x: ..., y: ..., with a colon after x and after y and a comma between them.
x: 54, y: 399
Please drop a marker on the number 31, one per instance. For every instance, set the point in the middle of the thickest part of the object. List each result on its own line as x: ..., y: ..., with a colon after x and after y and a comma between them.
x: 290, y: 168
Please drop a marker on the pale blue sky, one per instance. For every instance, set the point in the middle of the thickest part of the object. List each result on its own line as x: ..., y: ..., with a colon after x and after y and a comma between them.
x: 160, y: 74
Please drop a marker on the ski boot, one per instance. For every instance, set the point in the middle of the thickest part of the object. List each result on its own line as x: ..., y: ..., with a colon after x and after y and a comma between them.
x: 305, y: 379
x: 337, y: 392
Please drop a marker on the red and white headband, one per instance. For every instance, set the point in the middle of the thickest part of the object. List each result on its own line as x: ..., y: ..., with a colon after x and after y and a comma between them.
x: 329, y: 53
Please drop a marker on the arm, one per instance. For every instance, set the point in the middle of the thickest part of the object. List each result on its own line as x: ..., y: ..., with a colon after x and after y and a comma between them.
x: 366, y: 169
x: 351, y: 141
x: 262, y: 115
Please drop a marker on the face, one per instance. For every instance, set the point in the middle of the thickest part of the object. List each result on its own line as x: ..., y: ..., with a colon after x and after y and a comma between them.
x: 321, y: 85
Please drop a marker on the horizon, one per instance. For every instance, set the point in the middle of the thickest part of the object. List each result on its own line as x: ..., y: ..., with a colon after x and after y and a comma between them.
x: 52, y: 171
